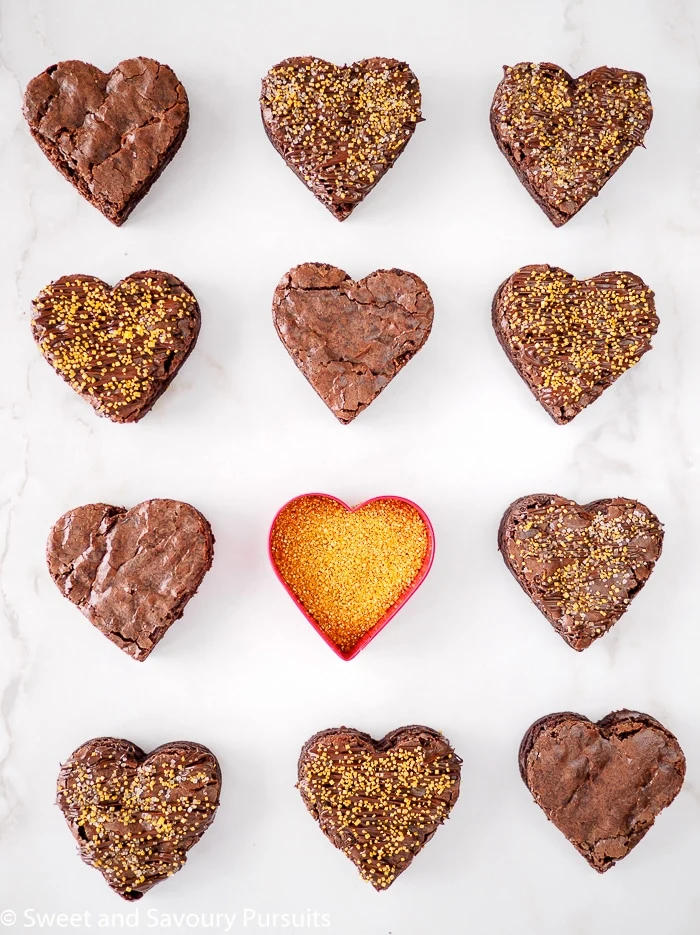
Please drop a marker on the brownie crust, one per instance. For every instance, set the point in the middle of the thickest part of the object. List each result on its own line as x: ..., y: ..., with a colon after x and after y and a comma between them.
x: 602, y: 784
x: 110, y: 134
x: 131, y: 572
x: 349, y: 338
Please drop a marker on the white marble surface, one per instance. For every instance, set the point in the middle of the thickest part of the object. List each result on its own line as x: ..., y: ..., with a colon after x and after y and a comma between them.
x: 240, y: 432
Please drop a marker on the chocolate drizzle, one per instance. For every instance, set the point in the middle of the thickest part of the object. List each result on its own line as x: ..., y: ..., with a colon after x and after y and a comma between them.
x: 570, y: 339
x: 348, y: 338
x: 134, y: 817
x: 602, y: 784
x: 340, y: 128
x: 565, y: 137
x: 131, y: 572
x: 580, y: 565
x: 379, y: 801
x: 119, y: 348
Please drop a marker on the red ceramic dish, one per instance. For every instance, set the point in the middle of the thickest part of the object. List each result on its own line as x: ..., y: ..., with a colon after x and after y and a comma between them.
x: 416, y: 581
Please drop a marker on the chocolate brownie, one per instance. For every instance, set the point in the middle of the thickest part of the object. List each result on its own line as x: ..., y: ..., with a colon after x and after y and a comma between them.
x: 565, y: 137
x: 379, y: 801
x: 133, y: 816
x: 131, y: 572
x: 119, y: 348
x: 349, y: 338
x: 340, y: 128
x: 602, y: 784
x: 570, y: 339
x: 580, y: 565
x: 110, y: 134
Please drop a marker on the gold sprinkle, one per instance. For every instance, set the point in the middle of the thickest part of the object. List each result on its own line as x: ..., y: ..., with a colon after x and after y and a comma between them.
x: 584, y: 567
x: 349, y: 124
x: 572, y: 338
x: 570, y: 136
x: 378, y: 805
x: 113, y: 344
x: 348, y: 568
x: 126, y: 814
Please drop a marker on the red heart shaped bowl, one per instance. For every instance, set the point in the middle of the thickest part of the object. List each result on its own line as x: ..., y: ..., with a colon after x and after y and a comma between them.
x: 348, y: 569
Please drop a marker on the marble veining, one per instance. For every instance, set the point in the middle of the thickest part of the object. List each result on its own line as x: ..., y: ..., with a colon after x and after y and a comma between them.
x: 239, y: 433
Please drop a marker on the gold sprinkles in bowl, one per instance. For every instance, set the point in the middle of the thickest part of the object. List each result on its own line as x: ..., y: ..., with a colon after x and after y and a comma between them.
x: 349, y: 568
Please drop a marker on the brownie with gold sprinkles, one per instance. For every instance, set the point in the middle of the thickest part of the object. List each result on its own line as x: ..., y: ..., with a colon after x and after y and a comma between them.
x: 118, y: 347
x: 580, y: 565
x: 602, y: 783
x: 566, y: 137
x: 570, y: 339
x: 131, y: 572
x: 379, y: 801
x: 135, y: 816
x: 110, y: 134
x: 340, y: 128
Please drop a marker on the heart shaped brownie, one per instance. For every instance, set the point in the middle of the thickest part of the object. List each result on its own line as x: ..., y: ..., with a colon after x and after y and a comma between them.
x: 350, y: 570
x: 580, y: 565
x: 135, y: 817
x: 379, y: 801
x: 131, y: 572
x: 119, y: 348
x: 348, y: 338
x: 340, y: 128
x: 111, y: 135
x: 566, y: 137
x: 570, y: 339
x: 602, y: 784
